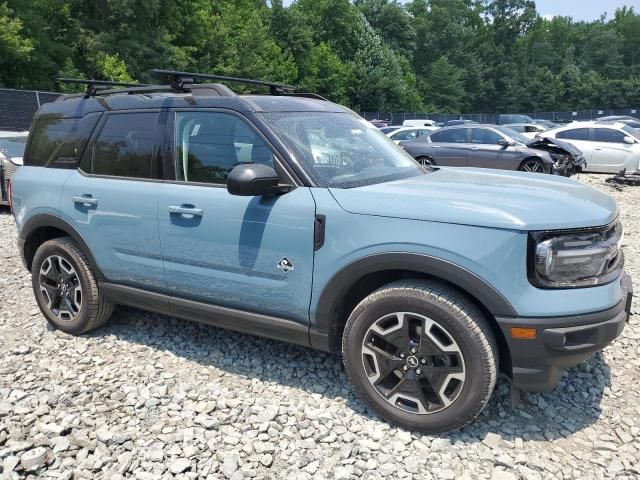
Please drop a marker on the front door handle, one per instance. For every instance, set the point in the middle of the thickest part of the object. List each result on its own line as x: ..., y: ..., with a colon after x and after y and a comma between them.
x: 85, y: 200
x: 185, y: 210
x: 475, y: 148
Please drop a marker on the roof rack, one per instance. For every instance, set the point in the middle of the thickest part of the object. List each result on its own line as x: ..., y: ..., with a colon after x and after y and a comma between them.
x: 182, y: 80
x: 95, y: 86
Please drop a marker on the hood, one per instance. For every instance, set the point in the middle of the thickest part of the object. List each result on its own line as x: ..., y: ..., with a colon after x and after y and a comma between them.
x: 485, y: 198
x: 544, y: 143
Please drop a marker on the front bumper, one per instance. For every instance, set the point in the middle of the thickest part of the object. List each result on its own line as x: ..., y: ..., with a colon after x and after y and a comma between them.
x: 562, y: 342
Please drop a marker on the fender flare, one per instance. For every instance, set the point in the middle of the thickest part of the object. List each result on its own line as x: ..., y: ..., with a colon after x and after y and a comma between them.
x: 43, y: 220
x: 335, y: 291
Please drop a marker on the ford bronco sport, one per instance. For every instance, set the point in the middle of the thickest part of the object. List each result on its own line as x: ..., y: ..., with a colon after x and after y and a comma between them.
x: 291, y: 217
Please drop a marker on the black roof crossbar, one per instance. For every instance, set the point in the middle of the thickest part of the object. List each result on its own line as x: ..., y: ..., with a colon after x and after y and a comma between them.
x: 95, y: 86
x: 181, y: 80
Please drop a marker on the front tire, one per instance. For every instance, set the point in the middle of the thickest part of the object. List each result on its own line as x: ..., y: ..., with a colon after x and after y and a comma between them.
x: 426, y: 161
x: 66, y: 289
x: 421, y: 356
x: 533, y: 165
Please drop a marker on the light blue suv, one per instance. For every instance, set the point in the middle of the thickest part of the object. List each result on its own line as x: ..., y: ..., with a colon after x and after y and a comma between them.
x: 291, y: 217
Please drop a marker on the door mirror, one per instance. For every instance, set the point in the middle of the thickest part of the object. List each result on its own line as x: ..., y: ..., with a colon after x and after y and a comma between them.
x: 505, y: 143
x: 629, y: 139
x: 254, y: 179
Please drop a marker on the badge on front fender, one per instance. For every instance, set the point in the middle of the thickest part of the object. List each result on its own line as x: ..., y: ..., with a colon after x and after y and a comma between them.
x: 285, y: 265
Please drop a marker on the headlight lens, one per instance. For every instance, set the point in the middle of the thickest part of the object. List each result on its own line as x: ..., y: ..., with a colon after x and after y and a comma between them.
x: 576, y: 259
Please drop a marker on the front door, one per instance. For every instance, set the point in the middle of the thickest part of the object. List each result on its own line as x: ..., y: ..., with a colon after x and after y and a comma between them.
x: 610, y: 152
x: 247, y: 253
x: 486, y: 152
x: 112, y: 199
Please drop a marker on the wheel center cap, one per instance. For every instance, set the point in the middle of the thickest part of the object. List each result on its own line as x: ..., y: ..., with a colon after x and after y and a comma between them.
x: 412, y: 361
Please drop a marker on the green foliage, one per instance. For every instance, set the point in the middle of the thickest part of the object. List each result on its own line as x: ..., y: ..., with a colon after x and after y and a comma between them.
x: 416, y: 55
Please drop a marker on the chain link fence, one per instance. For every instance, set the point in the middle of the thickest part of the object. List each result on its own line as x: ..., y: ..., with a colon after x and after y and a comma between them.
x: 396, y: 118
x: 17, y: 107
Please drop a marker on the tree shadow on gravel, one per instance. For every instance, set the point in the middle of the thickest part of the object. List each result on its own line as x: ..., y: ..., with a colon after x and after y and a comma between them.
x: 572, y: 406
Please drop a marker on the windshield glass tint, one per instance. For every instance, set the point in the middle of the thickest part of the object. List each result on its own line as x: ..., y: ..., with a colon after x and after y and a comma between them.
x: 632, y: 131
x: 342, y: 150
x: 12, y: 146
x: 518, y: 137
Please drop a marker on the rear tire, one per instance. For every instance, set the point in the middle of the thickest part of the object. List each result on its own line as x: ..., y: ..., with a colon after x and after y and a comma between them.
x: 66, y: 289
x: 421, y: 356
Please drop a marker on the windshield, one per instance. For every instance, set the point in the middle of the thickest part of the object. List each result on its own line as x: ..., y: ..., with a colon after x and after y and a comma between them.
x: 635, y: 133
x: 12, y: 146
x: 342, y: 150
x: 509, y: 132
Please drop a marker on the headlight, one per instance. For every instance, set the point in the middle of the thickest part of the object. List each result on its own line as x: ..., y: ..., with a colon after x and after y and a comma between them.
x: 579, y: 258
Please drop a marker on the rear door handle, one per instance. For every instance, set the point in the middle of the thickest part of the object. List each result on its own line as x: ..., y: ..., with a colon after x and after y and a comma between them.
x: 185, y: 210
x: 435, y: 146
x: 85, y: 200
x: 475, y: 148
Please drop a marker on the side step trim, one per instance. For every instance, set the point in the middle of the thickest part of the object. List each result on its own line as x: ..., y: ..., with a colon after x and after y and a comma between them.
x: 217, y: 316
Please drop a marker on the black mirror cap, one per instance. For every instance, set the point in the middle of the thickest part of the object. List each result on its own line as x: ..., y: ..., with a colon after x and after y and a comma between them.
x: 254, y: 179
x: 505, y: 143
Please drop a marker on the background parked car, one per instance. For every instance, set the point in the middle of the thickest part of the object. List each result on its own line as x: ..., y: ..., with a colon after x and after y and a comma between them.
x: 430, y: 124
x: 11, y: 150
x: 547, y: 124
x: 459, y: 121
x: 529, y: 130
x: 513, y: 118
x: 492, y: 146
x: 633, y: 122
x: 390, y: 128
x: 408, y: 133
x: 607, y: 147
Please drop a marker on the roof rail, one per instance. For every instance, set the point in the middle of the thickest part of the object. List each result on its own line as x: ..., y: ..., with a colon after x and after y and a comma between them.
x: 95, y: 86
x: 184, y: 79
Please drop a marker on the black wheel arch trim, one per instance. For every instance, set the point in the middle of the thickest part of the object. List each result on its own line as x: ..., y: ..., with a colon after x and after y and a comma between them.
x: 335, y: 291
x: 44, y: 220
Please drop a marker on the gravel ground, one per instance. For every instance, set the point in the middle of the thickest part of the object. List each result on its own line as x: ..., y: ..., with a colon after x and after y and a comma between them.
x: 149, y: 396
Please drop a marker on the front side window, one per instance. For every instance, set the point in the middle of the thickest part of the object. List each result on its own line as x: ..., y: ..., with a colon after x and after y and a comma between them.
x: 452, y: 135
x: 342, y: 150
x: 574, y: 134
x: 608, y: 135
x: 484, y: 136
x: 125, y: 145
x: 208, y: 145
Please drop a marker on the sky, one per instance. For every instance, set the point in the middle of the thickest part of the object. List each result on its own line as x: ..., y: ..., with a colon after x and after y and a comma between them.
x: 583, y: 9
x: 578, y: 9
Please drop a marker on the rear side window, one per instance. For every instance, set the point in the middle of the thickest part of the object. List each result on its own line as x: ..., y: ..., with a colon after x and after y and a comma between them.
x: 124, y: 147
x: 454, y: 135
x: 574, y: 134
x: 608, y: 135
x: 59, y: 142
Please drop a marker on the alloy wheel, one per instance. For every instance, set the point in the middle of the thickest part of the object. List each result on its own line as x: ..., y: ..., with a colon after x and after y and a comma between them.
x: 413, y: 362
x: 60, y: 287
x: 533, y: 166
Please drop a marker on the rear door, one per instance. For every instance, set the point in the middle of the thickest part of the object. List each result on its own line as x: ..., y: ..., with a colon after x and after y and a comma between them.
x: 111, y: 199
x: 449, y: 147
x: 610, y: 152
x: 486, y: 152
x: 248, y: 253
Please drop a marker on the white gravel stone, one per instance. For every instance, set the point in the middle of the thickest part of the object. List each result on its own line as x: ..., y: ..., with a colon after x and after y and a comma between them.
x: 152, y: 397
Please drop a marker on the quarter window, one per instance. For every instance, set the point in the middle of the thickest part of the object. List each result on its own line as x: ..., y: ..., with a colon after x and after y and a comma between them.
x: 59, y: 142
x: 574, y: 134
x: 608, y: 135
x: 454, y: 135
x: 209, y: 144
x: 125, y: 146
